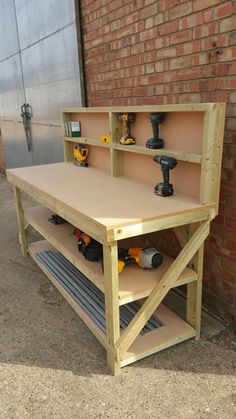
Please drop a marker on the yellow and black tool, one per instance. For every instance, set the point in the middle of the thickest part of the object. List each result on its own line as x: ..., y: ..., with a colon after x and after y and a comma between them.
x: 127, y: 119
x: 90, y: 248
x: 105, y: 139
x: 146, y: 258
x: 80, y: 155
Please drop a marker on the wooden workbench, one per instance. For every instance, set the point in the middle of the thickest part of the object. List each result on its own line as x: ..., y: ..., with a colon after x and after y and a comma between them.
x: 116, y: 205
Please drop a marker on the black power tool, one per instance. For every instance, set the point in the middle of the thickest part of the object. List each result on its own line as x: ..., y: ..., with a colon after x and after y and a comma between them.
x: 90, y: 248
x: 167, y: 163
x: 56, y: 219
x: 156, y: 119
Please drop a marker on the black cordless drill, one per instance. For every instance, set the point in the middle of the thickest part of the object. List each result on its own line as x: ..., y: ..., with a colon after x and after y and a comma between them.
x: 156, y: 118
x: 167, y: 163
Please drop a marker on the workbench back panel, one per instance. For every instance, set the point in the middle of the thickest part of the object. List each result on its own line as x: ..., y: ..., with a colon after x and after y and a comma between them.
x: 92, y: 125
x: 192, y: 133
x: 180, y: 130
x: 99, y: 158
x: 185, y: 177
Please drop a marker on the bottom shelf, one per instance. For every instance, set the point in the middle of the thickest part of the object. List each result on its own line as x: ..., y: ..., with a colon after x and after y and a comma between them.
x: 169, y: 328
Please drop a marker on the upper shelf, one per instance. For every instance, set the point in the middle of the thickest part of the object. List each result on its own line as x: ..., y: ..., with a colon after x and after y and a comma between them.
x: 184, y: 107
x: 89, y: 141
x: 177, y: 154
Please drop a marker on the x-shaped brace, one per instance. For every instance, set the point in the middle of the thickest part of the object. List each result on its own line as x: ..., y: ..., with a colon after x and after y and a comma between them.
x: 161, y: 289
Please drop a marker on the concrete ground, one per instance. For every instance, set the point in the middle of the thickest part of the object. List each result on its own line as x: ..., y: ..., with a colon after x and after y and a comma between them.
x: 51, y: 366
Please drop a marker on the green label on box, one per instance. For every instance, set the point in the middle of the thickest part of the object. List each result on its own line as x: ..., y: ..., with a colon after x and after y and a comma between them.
x: 74, y: 129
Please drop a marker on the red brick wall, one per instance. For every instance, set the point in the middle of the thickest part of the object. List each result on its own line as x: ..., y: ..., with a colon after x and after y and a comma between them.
x: 172, y: 51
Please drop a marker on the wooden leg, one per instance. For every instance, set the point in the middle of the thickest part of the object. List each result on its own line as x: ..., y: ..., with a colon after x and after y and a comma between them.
x: 110, y: 260
x: 20, y: 219
x: 194, y: 289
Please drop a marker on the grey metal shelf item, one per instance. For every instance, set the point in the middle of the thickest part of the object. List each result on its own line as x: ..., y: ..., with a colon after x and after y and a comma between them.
x: 87, y: 295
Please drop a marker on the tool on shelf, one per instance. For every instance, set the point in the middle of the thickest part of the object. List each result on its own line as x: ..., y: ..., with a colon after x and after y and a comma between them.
x: 167, y: 163
x: 90, y: 248
x: 80, y: 155
x: 127, y: 119
x: 105, y: 139
x: 156, y: 118
x: 56, y: 219
x: 146, y: 258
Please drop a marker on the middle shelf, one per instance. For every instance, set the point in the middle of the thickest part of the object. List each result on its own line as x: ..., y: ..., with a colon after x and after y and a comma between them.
x: 177, y: 154
x: 134, y: 282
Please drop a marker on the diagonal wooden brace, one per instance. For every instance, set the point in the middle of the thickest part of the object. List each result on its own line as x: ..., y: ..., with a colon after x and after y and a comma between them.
x: 181, y: 235
x: 161, y: 289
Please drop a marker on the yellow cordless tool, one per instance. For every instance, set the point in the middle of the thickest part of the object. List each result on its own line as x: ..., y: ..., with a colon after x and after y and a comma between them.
x: 126, y: 119
x: 80, y: 155
x: 148, y: 258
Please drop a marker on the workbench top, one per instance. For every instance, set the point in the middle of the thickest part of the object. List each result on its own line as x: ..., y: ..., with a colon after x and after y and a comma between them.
x: 90, y: 197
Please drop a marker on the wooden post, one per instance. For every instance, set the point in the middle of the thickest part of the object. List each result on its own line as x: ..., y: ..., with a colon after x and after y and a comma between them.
x: 116, y: 134
x: 20, y: 219
x: 110, y: 260
x: 212, y: 145
x: 68, y: 145
x: 194, y: 290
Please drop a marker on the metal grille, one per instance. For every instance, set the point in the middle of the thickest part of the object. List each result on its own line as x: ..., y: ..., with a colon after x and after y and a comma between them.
x: 87, y: 295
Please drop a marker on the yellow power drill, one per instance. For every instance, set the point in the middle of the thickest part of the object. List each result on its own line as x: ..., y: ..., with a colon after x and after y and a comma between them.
x: 126, y: 119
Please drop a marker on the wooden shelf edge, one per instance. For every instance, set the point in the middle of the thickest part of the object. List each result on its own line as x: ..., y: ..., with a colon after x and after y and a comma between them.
x: 139, y: 296
x: 174, y: 331
x: 89, y: 141
x: 177, y: 154
x: 187, y: 107
x: 61, y: 238
x: 33, y: 248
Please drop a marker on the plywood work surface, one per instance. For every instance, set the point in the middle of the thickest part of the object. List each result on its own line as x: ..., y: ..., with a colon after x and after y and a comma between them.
x: 108, y: 201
